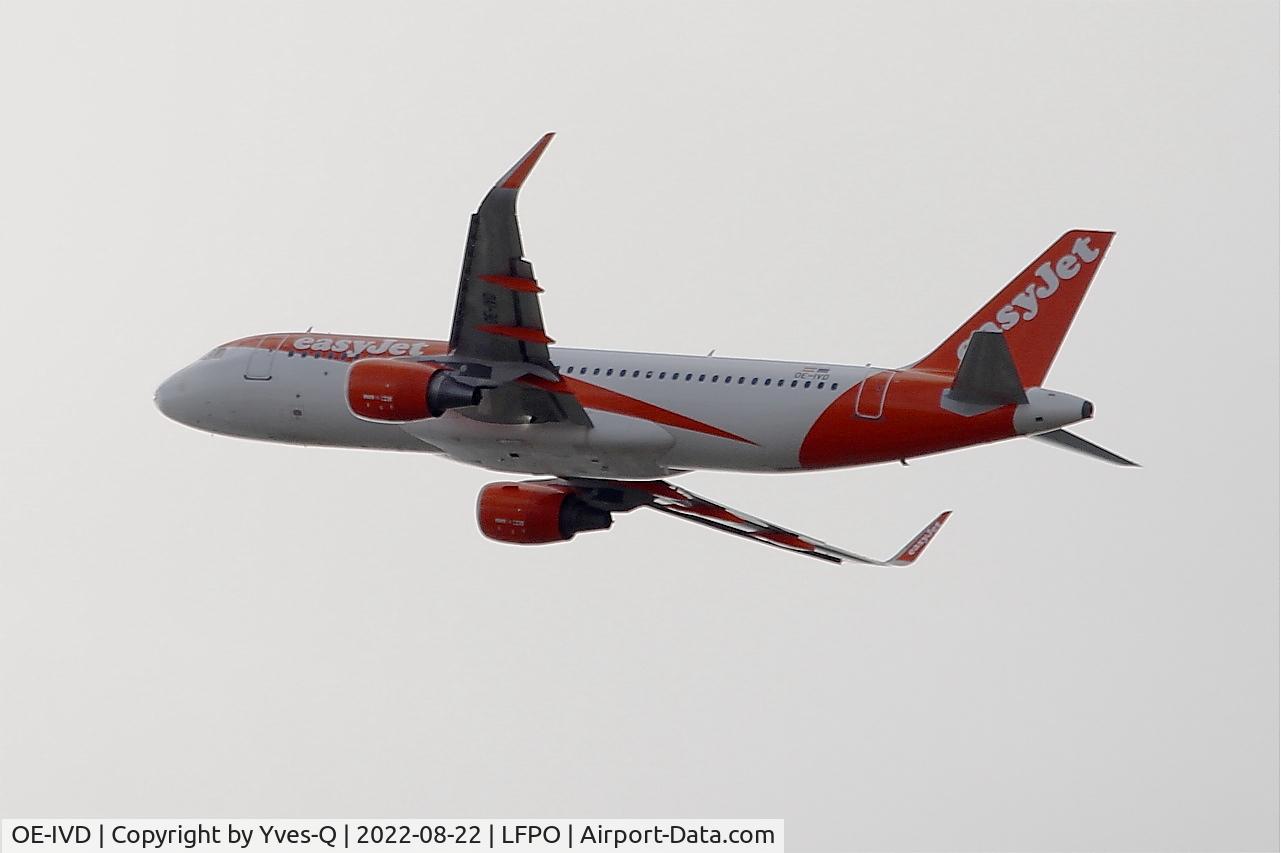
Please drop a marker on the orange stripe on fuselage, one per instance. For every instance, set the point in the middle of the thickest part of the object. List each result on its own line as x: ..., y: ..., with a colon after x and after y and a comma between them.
x: 602, y: 399
x: 912, y: 423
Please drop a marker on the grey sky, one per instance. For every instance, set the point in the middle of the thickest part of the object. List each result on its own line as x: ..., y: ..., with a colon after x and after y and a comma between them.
x: 191, y: 625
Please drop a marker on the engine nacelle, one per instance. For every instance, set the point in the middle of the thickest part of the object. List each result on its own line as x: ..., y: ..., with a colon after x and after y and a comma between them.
x: 381, y: 389
x: 536, y: 513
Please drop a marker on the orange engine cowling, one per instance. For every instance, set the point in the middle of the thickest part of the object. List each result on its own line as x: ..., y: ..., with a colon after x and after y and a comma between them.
x: 381, y: 389
x: 535, y: 513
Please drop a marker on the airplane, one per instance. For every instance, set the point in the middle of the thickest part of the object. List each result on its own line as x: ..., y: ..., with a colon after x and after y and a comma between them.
x: 601, y: 429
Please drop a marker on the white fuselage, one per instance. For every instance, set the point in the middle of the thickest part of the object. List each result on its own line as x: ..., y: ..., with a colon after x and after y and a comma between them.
x: 298, y: 397
x: 652, y: 414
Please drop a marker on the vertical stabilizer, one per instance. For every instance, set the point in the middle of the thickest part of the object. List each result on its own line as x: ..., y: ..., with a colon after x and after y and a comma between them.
x: 1034, y: 310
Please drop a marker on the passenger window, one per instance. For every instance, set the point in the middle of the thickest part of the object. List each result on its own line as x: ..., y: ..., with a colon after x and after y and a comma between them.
x: 768, y: 381
x: 833, y: 386
x: 820, y: 385
x: 715, y: 377
x: 649, y: 374
x: 609, y: 372
x: 663, y: 375
x: 702, y: 376
x: 807, y: 384
x: 740, y: 379
x: 793, y: 383
x: 689, y: 376
x: 596, y: 372
x: 755, y: 379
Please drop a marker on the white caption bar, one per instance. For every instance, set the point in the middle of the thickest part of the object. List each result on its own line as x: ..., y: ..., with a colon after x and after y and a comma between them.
x: 207, y: 835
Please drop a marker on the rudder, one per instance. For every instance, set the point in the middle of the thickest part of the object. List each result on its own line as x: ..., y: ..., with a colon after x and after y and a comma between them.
x: 1034, y: 310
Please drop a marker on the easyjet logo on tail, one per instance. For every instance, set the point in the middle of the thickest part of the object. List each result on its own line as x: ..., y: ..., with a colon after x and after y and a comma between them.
x: 1025, y: 305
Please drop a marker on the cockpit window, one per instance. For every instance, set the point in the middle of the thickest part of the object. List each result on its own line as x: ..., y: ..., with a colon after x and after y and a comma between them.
x: 212, y: 354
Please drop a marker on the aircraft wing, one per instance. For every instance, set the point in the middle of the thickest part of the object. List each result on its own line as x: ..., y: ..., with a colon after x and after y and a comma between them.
x: 497, y: 334
x: 620, y: 495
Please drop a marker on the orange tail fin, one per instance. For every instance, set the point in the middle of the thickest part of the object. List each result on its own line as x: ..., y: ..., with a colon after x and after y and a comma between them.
x: 1034, y: 310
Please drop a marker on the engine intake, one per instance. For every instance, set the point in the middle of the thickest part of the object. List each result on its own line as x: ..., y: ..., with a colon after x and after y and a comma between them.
x: 536, y: 513
x: 380, y: 389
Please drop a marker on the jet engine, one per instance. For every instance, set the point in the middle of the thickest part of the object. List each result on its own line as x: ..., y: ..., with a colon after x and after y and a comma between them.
x: 536, y: 513
x: 380, y: 389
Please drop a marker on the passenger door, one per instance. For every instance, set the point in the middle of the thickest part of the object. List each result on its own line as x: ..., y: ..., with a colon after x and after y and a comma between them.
x: 259, y: 366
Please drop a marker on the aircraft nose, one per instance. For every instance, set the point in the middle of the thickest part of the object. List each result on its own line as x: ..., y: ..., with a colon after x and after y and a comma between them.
x: 173, y: 397
x: 164, y: 397
x: 1087, y: 410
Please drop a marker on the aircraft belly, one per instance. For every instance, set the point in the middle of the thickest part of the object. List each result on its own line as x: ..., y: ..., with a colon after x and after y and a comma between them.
x: 615, y: 446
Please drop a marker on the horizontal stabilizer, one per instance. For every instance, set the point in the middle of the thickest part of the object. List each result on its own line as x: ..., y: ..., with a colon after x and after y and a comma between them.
x: 987, y: 375
x: 1063, y: 438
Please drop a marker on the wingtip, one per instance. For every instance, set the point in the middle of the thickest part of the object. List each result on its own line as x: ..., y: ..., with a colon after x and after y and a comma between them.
x: 515, y: 178
x: 919, y: 542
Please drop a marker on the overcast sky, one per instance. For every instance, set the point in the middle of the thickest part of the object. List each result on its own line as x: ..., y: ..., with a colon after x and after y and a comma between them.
x: 191, y: 625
